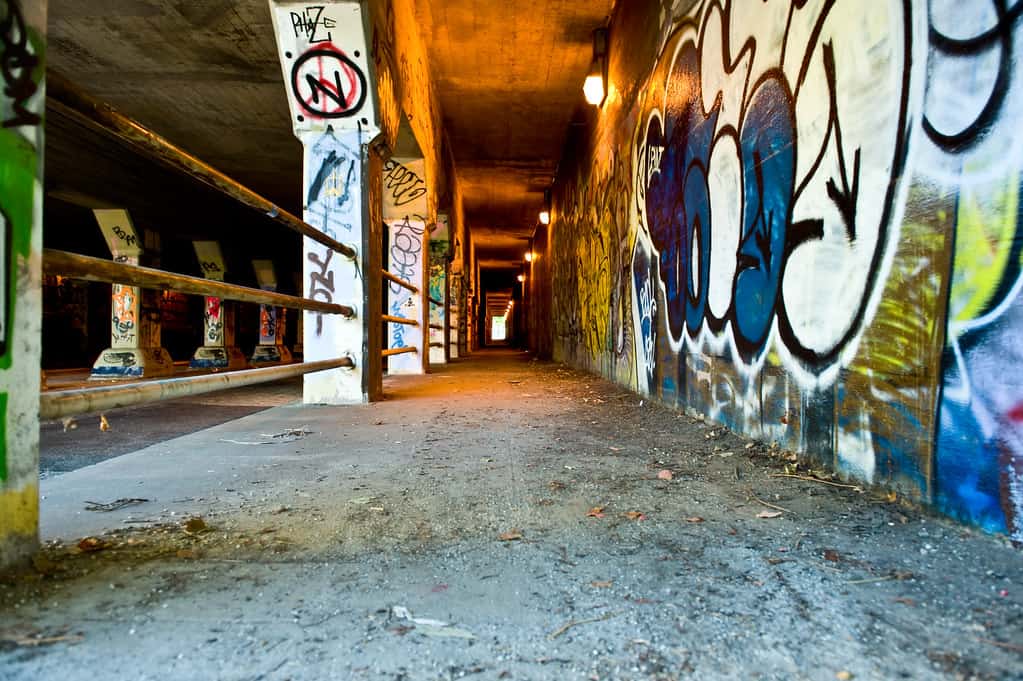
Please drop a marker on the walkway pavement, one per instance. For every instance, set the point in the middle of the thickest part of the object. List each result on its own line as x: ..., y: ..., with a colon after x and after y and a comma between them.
x: 499, y: 519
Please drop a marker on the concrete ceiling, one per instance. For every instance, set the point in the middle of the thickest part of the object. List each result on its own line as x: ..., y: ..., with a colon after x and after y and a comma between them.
x: 509, y: 76
x: 205, y: 75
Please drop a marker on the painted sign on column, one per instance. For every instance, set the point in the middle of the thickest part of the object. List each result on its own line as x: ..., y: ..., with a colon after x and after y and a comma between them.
x: 22, y: 102
x: 325, y: 65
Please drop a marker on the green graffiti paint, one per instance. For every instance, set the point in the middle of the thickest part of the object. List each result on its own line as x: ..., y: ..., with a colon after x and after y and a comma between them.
x: 17, y: 187
x: 3, y: 437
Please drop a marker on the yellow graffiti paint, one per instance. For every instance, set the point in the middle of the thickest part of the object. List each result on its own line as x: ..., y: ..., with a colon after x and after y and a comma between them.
x: 985, y: 231
x: 19, y: 512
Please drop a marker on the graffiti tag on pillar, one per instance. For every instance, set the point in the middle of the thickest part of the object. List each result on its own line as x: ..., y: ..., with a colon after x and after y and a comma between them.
x: 312, y: 25
x: 326, y: 83
x: 123, y: 317
x: 17, y: 64
x: 403, y: 184
x: 321, y: 284
x: 406, y: 245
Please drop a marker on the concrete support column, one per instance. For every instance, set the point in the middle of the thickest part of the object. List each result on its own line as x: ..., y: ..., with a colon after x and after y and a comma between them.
x: 271, y: 349
x: 324, y: 55
x: 454, y: 316
x: 135, y: 349
x: 439, y: 256
x: 22, y: 103
x: 218, y: 350
x: 406, y: 217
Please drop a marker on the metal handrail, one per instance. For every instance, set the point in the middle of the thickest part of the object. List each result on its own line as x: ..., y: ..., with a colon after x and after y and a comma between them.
x: 67, y: 98
x: 438, y: 327
x: 399, y: 281
x: 399, y: 320
x: 398, y: 351
x: 436, y: 345
x: 61, y: 403
x: 436, y: 302
x: 88, y: 268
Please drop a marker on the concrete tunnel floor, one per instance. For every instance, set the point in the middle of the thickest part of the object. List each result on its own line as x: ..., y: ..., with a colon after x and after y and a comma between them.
x: 501, y: 518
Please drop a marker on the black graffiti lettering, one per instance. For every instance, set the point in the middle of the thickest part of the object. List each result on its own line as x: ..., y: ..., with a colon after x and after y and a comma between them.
x: 307, y: 22
x: 17, y: 64
x: 407, y: 244
x: 124, y: 236
x: 210, y: 267
x: 321, y: 284
x: 1001, y: 34
x: 404, y: 185
x: 328, y: 176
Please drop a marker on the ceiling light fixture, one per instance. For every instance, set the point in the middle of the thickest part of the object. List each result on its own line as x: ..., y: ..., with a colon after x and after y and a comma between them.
x: 545, y: 213
x: 529, y: 256
x: 595, y: 86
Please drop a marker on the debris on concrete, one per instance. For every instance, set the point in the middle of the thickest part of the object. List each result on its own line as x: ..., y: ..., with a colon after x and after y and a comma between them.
x: 575, y: 623
x: 104, y: 425
x: 113, y: 505
x: 511, y: 535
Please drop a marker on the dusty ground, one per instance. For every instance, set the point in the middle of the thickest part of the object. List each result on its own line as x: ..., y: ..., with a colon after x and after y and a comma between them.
x: 317, y: 554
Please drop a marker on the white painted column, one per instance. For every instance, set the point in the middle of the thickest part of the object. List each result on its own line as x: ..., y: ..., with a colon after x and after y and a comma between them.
x: 406, y: 212
x: 135, y: 349
x: 218, y: 350
x: 323, y: 50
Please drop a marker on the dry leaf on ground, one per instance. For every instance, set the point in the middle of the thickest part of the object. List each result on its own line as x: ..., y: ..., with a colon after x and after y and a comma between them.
x: 104, y: 425
x: 92, y: 544
x: 769, y: 514
x: 511, y: 535
x: 694, y: 519
x: 596, y: 512
x: 601, y: 585
x: 195, y: 525
x: 832, y: 555
x: 665, y: 475
x: 635, y: 515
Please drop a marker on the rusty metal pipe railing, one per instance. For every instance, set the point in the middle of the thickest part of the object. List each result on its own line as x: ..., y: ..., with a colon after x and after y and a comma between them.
x: 436, y: 302
x: 398, y: 351
x: 436, y: 345
x: 399, y: 281
x: 97, y: 269
x: 438, y: 327
x: 67, y: 98
x: 399, y: 320
x: 61, y: 403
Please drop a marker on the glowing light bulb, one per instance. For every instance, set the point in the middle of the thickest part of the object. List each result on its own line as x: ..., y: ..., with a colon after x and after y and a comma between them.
x: 593, y: 88
x: 545, y: 217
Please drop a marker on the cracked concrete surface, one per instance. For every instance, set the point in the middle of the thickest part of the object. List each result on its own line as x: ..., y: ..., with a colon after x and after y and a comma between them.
x: 370, y: 546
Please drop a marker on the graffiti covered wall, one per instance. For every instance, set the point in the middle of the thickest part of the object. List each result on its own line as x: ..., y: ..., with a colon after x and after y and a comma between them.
x: 22, y: 101
x: 800, y: 218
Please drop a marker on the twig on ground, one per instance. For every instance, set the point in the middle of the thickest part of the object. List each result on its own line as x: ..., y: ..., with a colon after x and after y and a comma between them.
x: 1001, y: 644
x: 575, y: 623
x: 808, y: 478
x: 113, y: 505
x: 761, y: 501
x: 872, y: 579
